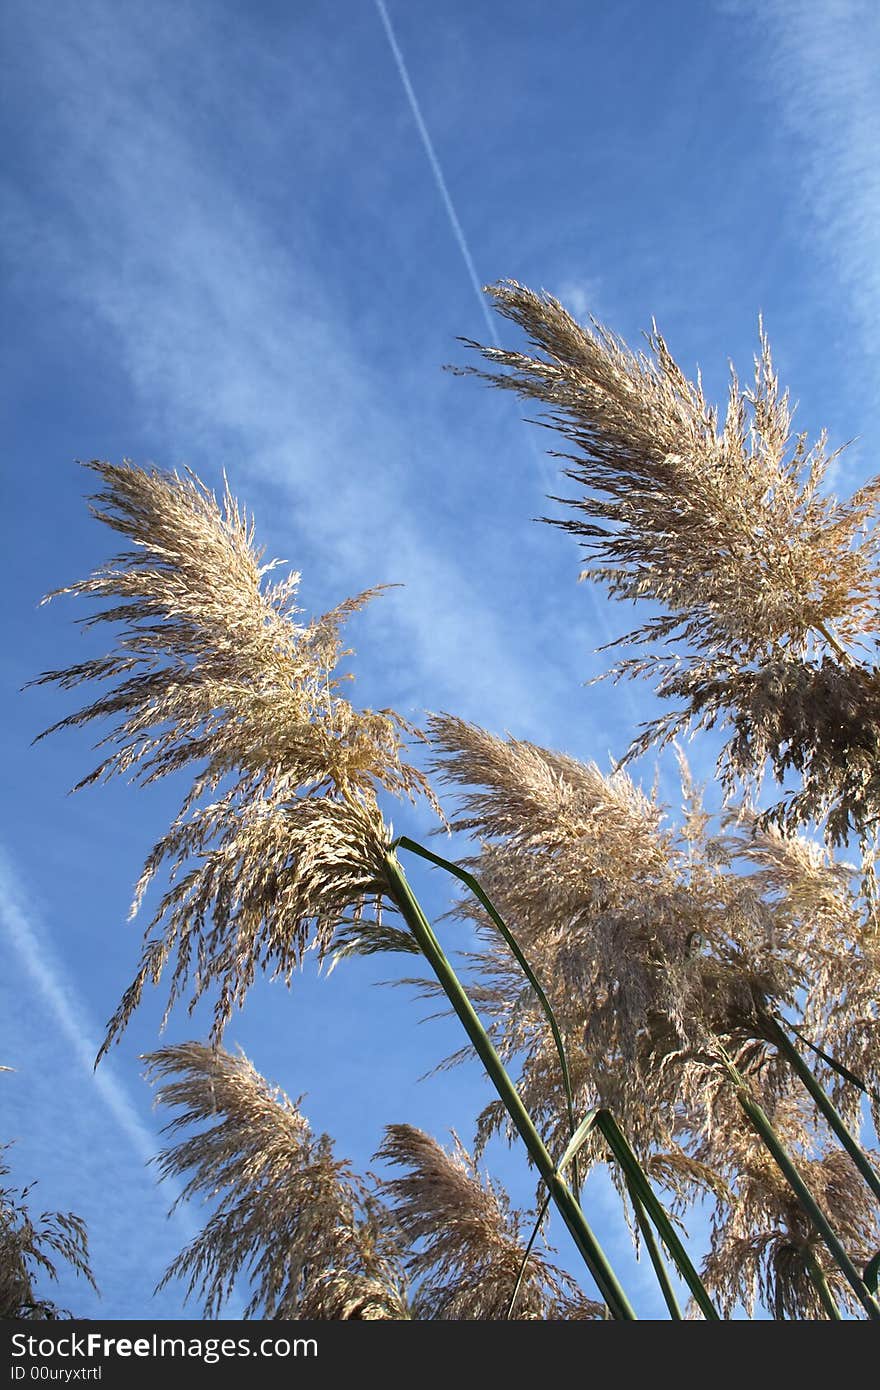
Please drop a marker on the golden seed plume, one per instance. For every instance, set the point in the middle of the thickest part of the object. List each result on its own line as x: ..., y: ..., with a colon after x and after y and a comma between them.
x: 287, y: 1216
x: 466, y: 1245
x: 279, y: 840
x: 767, y: 587
x: 660, y: 950
x: 30, y: 1247
x: 764, y: 1247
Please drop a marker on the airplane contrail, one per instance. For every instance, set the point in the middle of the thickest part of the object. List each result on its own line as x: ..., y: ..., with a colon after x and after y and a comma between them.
x: 31, y: 942
x: 547, y: 470
x: 436, y: 170
x: 32, y: 946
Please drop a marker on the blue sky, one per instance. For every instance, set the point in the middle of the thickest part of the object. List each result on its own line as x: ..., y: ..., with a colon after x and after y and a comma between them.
x: 247, y: 237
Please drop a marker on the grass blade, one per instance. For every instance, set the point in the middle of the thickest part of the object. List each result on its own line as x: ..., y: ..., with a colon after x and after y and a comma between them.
x: 590, y: 1250
x: 764, y: 1128
x: 820, y: 1283
x: 827, y: 1108
x: 404, y: 842
x: 832, y: 1062
x: 657, y: 1260
x: 525, y: 1259
x: 638, y: 1182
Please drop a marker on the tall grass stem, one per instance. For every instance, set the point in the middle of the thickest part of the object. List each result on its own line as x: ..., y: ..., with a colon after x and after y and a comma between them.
x: 588, y: 1246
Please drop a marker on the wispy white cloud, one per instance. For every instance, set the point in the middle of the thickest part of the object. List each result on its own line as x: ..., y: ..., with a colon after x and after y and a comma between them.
x: 577, y: 294
x: 231, y: 335
x: 580, y: 296
x: 818, y: 64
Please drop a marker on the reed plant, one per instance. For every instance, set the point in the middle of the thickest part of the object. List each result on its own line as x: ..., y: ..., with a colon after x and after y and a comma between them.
x: 31, y: 1248
x: 637, y: 985
x: 313, y: 1239
x: 766, y: 583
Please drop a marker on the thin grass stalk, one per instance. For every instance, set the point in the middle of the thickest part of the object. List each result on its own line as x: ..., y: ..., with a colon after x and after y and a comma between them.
x: 525, y: 1259
x: 404, y: 842
x: 842, y: 654
x: 820, y: 1284
x: 576, y: 1141
x: 588, y: 1247
x: 640, y: 1189
x: 638, y: 1183
x: 656, y: 1257
x: 832, y: 1062
x: 761, y: 1124
x: 835, y: 1120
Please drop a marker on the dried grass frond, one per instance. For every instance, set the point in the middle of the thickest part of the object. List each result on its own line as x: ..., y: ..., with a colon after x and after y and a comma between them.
x: 766, y: 586
x: 531, y: 795
x: 272, y: 878
x: 214, y: 669
x: 30, y: 1247
x: 816, y: 722
x: 763, y: 1244
x: 289, y: 1217
x: 466, y: 1245
x: 344, y: 1296
x: 373, y: 938
x: 653, y: 945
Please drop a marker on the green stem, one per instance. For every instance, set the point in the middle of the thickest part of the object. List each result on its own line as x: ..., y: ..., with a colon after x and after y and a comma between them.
x: 835, y: 1120
x: 587, y: 1245
x: 764, y: 1128
x: 635, y: 1176
x: 525, y: 1259
x: 404, y: 842
x: 657, y: 1260
x: 833, y: 1063
x: 820, y: 1284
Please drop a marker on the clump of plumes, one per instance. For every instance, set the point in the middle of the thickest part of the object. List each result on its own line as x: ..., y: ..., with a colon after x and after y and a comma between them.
x: 763, y: 1245
x: 466, y: 1245
x: 280, y: 838
x: 765, y: 586
x: 661, y: 952
x: 288, y: 1216
x: 29, y: 1248
x: 816, y: 723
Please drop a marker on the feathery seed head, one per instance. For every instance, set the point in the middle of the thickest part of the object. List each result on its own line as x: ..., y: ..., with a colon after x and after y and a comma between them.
x: 466, y: 1246
x: 763, y: 1244
x: 653, y: 947
x: 765, y: 585
x: 29, y: 1248
x: 294, y: 1220
x: 280, y: 838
